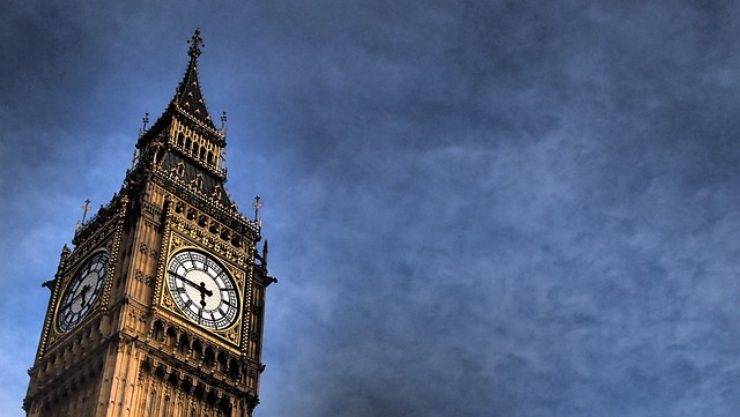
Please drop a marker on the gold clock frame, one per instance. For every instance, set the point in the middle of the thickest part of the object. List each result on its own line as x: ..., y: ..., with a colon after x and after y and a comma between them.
x: 69, y: 277
x: 179, y: 235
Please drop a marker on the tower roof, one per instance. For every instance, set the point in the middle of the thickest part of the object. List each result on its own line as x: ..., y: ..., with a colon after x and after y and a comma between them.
x: 188, y: 104
x: 188, y: 96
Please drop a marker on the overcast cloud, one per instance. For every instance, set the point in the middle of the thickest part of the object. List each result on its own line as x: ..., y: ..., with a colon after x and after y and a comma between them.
x: 510, y: 209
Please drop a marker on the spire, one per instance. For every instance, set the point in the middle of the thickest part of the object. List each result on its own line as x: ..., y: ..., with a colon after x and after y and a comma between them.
x: 188, y: 96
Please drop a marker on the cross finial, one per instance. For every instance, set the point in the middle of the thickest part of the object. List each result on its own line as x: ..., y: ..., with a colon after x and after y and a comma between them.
x: 196, y: 42
x: 257, y: 206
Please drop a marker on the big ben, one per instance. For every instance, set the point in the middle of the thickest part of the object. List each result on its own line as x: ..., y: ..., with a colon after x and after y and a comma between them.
x: 157, y: 310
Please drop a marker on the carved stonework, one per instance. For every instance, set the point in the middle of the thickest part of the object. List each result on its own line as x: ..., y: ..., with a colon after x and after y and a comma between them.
x: 131, y: 349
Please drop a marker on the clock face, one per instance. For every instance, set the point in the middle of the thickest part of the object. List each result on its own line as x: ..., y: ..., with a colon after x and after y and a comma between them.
x: 203, y: 290
x: 82, y: 292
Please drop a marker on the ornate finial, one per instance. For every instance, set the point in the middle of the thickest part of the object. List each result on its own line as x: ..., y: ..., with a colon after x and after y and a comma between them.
x: 85, y: 210
x: 257, y: 206
x: 144, y: 123
x: 223, y: 120
x: 264, y: 252
x: 196, y: 42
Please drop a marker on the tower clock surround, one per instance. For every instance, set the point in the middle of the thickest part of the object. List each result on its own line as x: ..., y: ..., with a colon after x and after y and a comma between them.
x: 83, y: 291
x: 158, y: 308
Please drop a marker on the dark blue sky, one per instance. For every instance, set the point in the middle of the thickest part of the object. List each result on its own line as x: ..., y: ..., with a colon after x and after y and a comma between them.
x: 511, y: 209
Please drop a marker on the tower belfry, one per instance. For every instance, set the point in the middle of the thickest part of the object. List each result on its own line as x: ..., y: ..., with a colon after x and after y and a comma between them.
x: 158, y: 309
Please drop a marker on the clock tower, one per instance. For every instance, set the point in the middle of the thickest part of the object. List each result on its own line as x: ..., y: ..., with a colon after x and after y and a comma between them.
x: 157, y: 311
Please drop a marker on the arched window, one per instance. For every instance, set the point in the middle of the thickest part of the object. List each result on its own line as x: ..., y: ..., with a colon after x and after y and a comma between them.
x: 222, y: 362
x: 209, y: 157
x: 197, y: 349
x: 171, y: 336
x: 198, y: 181
x: 188, y: 144
x: 234, y: 369
x: 157, y: 156
x: 180, y: 140
x: 158, y: 331
x: 184, y: 344
x: 209, y: 356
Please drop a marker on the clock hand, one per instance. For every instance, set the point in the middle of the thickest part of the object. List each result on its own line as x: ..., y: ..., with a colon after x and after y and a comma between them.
x: 203, y: 297
x: 82, y: 292
x: 200, y: 287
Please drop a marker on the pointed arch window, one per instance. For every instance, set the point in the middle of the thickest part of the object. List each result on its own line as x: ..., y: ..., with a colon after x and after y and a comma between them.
x: 198, y: 182
x: 217, y: 192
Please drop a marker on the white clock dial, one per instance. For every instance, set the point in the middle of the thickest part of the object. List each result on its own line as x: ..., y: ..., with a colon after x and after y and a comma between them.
x: 203, y: 290
x: 82, y: 291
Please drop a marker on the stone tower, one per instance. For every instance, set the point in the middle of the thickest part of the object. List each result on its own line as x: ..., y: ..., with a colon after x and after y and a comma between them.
x: 158, y: 309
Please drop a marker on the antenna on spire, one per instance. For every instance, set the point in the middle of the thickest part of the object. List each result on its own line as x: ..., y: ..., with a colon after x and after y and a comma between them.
x: 196, y: 43
x: 223, y: 121
x: 257, y: 206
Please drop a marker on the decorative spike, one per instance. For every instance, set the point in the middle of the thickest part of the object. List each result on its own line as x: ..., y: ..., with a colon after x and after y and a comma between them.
x: 223, y: 121
x: 257, y: 206
x: 85, y: 210
x: 264, y: 252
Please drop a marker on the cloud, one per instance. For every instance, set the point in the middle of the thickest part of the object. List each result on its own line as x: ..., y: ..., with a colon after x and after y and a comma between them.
x: 474, y: 209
